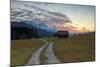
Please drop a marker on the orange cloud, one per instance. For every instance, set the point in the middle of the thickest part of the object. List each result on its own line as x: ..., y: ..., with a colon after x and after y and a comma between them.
x: 83, y: 29
x: 71, y: 27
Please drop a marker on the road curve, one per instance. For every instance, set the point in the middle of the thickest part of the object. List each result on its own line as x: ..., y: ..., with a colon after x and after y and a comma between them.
x: 50, y: 55
x: 51, y: 58
x: 35, y: 59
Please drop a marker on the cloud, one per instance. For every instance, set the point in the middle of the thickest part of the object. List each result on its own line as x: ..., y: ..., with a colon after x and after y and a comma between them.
x: 71, y: 27
x: 83, y: 29
x: 27, y: 12
x: 31, y: 11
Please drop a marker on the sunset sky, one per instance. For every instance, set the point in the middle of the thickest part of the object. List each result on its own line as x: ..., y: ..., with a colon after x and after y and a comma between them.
x: 82, y: 16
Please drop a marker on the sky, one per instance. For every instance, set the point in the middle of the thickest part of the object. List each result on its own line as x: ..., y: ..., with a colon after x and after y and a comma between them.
x: 82, y: 16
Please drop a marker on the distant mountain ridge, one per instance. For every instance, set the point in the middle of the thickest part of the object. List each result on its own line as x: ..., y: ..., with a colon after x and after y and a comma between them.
x: 38, y: 17
x: 37, y: 30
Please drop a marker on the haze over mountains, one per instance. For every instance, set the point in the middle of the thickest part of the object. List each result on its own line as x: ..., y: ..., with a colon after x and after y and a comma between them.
x: 25, y: 11
x: 36, y: 16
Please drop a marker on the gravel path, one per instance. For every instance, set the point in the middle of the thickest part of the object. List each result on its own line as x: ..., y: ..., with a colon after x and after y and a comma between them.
x: 51, y: 58
x: 35, y: 59
x: 50, y: 55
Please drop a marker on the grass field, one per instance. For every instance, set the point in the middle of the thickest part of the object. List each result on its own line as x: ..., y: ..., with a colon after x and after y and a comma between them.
x: 21, y: 50
x: 79, y: 48
x: 43, y: 57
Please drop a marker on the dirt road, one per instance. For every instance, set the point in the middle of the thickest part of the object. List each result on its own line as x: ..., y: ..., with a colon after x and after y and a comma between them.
x: 35, y: 59
x: 51, y: 58
x: 50, y: 55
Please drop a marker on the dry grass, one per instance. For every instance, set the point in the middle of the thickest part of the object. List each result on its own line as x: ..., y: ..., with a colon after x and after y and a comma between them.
x: 79, y: 48
x: 43, y: 57
x: 21, y: 50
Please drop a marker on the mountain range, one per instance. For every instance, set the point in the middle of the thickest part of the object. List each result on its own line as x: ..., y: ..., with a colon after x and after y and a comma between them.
x: 40, y: 18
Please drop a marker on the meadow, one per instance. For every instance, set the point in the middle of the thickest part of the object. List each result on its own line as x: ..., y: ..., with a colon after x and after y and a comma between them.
x: 21, y: 50
x: 79, y: 48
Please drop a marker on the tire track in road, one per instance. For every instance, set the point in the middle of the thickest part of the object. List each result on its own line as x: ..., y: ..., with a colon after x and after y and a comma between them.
x: 50, y: 55
x: 51, y: 58
x: 35, y: 59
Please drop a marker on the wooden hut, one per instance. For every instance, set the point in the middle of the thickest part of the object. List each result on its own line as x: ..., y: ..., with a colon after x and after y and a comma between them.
x: 62, y: 34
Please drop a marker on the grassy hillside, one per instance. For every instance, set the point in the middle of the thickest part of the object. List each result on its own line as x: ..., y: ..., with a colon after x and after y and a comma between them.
x: 21, y: 50
x: 75, y: 49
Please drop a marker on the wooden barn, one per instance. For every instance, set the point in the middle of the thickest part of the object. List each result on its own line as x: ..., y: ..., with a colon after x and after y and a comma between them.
x: 21, y: 30
x: 62, y: 34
